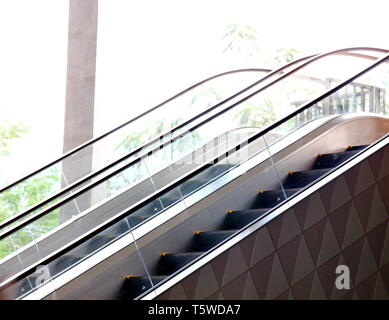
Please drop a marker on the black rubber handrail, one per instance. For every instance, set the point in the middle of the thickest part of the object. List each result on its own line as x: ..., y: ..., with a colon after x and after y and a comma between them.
x: 91, y: 233
x: 18, y: 226
x: 31, y: 269
x: 92, y: 141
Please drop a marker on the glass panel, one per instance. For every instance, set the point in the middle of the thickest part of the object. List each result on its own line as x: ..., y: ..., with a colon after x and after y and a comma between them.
x: 167, y: 164
x: 201, y: 230
x: 259, y: 111
x: 277, y: 175
x: 124, y: 140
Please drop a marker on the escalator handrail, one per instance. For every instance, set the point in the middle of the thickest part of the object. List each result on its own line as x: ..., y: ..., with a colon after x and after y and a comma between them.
x: 79, y: 182
x: 91, y: 233
x: 96, y: 139
x: 81, y: 190
x: 89, y: 142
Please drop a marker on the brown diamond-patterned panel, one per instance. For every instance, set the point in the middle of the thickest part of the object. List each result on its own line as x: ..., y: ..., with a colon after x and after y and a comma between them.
x: 375, y: 161
x: 310, y: 211
x: 384, y: 168
x: 302, y: 289
x: 335, y: 194
x: 359, y: 178
x: 383, y: 186
x: 284, y: 228
x: 234, y: 290
x: 346, y: 224
x: 296, y: 259
x: 263, y: 246
x: 206, y: 284
x: 295, y: 255
x: 376, y: 238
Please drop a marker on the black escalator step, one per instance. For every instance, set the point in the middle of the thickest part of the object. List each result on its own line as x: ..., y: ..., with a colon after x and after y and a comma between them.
x: 62, y: 263
x: 118, y: 228
x: 134, y: 286
x: 213, y: 171
x: 205, y: 240
x: 237, y: 219
x: 191, y: 185
x: 354, y: 148
x: 93, y: 244
x: 300, y: 179
x: 168, y: 201
x: 331, y: 160
x: 135, y: 220
x: 171, y: 262
x: 26, y: 284
x: 271, y: 198
x: 151, y: 208
x: 171, y: 197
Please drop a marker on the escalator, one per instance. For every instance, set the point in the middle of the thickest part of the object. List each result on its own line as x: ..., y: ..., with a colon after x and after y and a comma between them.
x: 234, y: 220
x: 140, y: 242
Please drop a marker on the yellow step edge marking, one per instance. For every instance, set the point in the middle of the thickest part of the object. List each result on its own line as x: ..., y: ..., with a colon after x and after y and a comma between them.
x: 129, y: 276
x: 230, y: 211
x: 320, y: 155
x: 164, y: 253
x: 349, y: 147
x: 290, y: 172
x: 198, y: 231
x: 261, y: 191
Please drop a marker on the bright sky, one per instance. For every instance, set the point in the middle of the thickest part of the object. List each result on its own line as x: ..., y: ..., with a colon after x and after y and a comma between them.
x: 147, y: 51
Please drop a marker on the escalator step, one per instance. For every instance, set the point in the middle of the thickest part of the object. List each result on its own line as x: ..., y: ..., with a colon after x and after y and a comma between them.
x: 117, y: 229
x: 151, y: 208
x: 171, y: 262
x: 171, y: 197
x: 62, y: 263
x: 271, y: 198
x: 136, y: 220
x: 191, y: 185
x: 331, y: 160
x: 203, y: 241
x: 300, y: 179
x: 213, y: 171
x: 26, y: 284
x: 239, y: 219
x: 91, y: 245
x: 134, y: 286
x: 354, y: 148
x: 168, y: 201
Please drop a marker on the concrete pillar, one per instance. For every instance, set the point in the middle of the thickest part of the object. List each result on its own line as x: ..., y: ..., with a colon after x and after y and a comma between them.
x: 80, y: 93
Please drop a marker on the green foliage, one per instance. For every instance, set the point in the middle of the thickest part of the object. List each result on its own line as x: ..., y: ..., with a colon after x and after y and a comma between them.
x: 241, y: 38
x: 255, y: 115
x: 137, y: 138
x: 8, y: 133
x: 286, y: 55
x: 25, y: 195
x: 28, y: 193
x: 207, y: 97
